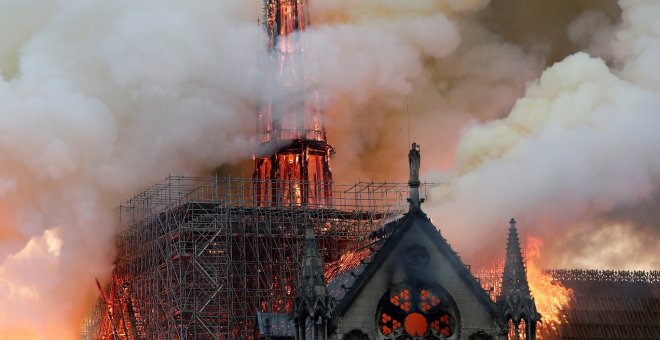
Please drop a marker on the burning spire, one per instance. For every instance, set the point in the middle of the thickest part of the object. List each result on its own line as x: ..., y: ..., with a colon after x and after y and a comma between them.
x: 294, y: 169
x: 515, y: 301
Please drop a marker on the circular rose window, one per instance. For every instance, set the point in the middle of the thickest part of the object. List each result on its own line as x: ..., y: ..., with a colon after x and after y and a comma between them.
x: 415, y: 312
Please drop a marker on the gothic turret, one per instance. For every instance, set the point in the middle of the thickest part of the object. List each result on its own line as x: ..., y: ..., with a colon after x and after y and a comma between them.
x: 313, y: 304
x: 515, y: 301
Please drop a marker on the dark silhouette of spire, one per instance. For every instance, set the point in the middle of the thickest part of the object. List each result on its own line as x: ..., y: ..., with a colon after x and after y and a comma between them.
x: 313, y: 304
x: 515, y: 301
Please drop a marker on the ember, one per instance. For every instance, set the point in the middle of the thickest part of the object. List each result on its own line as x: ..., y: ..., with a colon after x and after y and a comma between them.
x: 349, y: 260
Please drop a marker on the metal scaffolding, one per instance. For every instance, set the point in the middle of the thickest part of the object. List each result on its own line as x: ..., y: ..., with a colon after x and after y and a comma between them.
x: 490, y: 276
x: 198, y: 257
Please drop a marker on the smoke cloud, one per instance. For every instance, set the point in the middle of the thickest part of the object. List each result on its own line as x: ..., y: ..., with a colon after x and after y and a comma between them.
x: 97, y: 100
x: 428, y: 65
x: 578, y: 145
x: 101, y: 98
x: 576, y: 159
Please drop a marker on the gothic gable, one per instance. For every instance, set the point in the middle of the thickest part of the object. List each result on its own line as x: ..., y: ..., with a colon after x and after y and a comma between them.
x: 415, y: 285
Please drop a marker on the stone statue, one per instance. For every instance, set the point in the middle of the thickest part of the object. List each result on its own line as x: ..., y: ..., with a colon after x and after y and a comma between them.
x: 413, y: 182
x: 414, y: 160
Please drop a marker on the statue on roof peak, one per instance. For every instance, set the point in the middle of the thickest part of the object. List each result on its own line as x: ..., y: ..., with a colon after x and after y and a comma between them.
x: 414, y: 161
x: 413, y: 182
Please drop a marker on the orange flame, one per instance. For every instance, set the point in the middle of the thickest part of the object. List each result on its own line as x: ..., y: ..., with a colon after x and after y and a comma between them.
x: 551, y: 298
x: 349, y: 260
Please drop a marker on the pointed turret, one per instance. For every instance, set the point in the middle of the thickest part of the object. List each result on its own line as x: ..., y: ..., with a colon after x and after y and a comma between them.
x: 515, y: 301
x: 313, y: 278
x: 313, y: 304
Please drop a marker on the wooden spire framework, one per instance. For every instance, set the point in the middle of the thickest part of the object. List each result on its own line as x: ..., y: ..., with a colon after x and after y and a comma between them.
x: 294, y: 162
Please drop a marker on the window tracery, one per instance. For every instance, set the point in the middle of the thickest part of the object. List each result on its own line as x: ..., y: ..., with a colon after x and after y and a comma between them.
x: 416, y: 312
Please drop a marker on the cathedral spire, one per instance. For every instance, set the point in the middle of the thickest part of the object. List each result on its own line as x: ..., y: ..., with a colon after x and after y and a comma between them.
x: 292, y: 166
x: 515, y: 301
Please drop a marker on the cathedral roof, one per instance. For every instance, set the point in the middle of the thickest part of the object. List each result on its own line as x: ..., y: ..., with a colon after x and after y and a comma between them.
x: 609, y: 304
x: 341, y: 281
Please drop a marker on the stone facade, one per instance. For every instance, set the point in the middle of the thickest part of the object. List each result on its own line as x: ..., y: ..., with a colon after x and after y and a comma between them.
x: 438, y: 266
x: 411, y: 286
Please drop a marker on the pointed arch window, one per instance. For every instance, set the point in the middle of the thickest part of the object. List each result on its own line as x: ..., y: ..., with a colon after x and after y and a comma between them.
x: 416, y: 312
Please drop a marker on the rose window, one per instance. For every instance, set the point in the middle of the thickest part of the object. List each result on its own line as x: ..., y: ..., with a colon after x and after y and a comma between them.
x: 416, y: 313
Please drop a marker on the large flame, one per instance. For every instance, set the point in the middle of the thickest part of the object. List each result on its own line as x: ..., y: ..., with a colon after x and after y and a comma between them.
x: 551, y: 297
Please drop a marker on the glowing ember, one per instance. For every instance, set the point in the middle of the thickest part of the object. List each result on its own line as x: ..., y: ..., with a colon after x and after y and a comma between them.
x: 349, y: 260
x: 490, y: 277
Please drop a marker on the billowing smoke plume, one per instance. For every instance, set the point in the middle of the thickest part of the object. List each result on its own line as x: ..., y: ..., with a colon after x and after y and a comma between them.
x: 572, y: 159
x: 424, y: 67
x: 577, y: 157
x: 101, y: 98
x: 97, y: 100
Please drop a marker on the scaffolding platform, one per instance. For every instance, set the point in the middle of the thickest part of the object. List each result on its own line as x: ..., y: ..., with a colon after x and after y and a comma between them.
x: 199, y: 257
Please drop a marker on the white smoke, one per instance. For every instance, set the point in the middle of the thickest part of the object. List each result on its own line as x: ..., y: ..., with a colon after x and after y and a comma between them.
x: 581, y: 143
x: 430, y: 65
x: 97, y: 100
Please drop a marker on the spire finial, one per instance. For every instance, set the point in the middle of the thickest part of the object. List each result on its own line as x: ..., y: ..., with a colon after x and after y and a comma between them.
x: 414, y: 160
x: 512, y: 223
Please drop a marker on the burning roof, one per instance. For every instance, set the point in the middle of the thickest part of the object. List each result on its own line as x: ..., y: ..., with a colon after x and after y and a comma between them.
x: 609, y: 304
